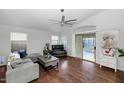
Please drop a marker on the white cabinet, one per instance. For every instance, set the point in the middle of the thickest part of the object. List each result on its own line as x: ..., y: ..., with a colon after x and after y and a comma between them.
x: 110, y: 62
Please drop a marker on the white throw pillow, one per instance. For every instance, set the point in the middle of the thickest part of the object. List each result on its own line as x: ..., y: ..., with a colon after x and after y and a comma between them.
x: 13, y: 56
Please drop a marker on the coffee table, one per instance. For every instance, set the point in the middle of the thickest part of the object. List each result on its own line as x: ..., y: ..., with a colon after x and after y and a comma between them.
x: 49, y: 63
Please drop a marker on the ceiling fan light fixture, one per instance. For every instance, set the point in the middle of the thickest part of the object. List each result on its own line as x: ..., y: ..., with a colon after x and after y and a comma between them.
x: 62, y: 10
x: 63, y: 21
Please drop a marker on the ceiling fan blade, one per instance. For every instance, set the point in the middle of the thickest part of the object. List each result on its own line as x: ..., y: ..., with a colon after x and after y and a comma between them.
x: 68, y: 23
x: 70, y: 20
x: 53, y: 20
x: 56, y: 23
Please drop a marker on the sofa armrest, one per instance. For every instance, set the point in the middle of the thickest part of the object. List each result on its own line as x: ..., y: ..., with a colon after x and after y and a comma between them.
x: 20, y: 68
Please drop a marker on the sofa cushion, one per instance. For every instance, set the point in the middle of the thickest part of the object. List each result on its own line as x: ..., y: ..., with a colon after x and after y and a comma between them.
x: 20, y: 63
x: 59, y: 52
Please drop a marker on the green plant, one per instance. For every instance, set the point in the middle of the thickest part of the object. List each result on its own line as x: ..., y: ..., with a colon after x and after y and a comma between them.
x: 121, y: 52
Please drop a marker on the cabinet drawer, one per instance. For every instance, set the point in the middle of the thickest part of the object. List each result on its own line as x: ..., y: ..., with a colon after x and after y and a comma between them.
x: 104, y: 63
x: 108, y: 65
x: 111, y: 65
x: 112, y: 61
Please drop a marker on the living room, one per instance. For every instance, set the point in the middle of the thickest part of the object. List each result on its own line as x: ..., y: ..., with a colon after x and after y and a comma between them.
x: 60, y: 46
x: 39, y: 27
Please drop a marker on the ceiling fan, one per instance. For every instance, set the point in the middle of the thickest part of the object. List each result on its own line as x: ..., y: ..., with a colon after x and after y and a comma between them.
x: 63, y: 22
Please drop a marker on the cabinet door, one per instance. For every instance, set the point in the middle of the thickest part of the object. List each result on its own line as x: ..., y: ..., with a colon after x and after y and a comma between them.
x: 108, y: 62
x: 2, y: 73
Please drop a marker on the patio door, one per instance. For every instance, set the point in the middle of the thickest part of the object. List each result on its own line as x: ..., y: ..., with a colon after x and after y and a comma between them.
x: 89, y: 47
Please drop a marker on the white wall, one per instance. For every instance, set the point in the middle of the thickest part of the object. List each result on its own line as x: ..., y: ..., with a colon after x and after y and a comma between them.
x: 36, y: 39
x: 104, y: 20
x: 67, y: 35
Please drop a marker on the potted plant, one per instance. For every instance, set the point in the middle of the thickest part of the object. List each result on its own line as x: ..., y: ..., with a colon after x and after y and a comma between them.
x: 121, y: 52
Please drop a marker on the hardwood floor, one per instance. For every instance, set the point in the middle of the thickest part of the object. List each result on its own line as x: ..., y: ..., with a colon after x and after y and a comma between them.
x: 74, y: 70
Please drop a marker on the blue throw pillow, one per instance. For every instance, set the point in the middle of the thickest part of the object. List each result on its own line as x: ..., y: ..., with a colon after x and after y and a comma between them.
x: 22, y: 53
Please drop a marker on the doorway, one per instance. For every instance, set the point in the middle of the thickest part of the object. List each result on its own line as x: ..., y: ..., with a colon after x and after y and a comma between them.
x: 89, y: 47
x: 86, y: 46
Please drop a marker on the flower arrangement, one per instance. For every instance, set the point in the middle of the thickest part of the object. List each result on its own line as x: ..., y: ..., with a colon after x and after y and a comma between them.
x: 121, y: 52
x: 109, y: 44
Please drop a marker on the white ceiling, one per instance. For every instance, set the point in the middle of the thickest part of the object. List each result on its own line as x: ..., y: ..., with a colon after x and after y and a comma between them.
x: 38, y: 18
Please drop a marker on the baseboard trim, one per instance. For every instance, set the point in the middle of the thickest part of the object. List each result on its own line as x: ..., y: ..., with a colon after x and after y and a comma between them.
x: 82, y: 59
x: 75, y: 57
x: 120, y: 69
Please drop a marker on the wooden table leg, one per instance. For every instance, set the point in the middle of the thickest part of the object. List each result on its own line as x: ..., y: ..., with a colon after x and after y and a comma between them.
x: 57, y: 66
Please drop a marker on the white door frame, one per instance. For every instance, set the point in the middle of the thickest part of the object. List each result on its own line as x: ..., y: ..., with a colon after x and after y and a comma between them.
x: 73, y: 40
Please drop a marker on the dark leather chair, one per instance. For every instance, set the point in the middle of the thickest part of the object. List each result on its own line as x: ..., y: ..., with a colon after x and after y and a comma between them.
x: 58, y: 51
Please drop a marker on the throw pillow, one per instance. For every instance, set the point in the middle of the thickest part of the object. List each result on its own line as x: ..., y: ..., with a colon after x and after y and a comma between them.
x: 13, y: 56
x: 22, y: 53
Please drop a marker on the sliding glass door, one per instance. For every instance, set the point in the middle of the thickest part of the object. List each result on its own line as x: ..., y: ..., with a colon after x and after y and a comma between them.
x: 85, y: 46
x: 89, y: 48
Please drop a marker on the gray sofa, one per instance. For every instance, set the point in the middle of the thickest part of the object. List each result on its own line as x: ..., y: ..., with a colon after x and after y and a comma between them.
x: 22, y: 71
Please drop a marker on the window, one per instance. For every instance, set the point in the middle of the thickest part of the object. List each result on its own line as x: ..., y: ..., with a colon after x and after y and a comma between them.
x: 64, y: 41
x: 18, y: 41
x: 18, y: 36
x: 55, y: 40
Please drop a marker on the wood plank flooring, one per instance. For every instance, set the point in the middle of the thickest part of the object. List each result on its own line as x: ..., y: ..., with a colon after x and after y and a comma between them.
x: 74, y: 70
